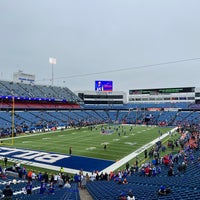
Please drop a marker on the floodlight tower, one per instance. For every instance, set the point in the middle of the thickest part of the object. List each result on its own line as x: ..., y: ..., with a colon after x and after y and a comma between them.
x: 52, y: 61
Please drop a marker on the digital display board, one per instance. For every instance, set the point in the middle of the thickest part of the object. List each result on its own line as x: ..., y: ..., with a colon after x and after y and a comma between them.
x: 162, y: 91
x: 103, y: 86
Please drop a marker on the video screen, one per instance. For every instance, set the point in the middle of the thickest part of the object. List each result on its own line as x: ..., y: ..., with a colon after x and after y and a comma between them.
x: 103, y: 86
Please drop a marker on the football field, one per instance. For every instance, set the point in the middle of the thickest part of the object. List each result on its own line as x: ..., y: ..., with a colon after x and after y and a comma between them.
x: 108, y: 143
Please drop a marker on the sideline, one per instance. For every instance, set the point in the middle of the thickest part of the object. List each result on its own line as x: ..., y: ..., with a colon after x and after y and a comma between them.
x: 124, y: 160
x: 32, y: 135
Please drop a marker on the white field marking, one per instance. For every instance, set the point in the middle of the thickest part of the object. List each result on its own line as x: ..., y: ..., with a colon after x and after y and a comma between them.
x: 138, y: 131
x: 90, y: 148
x: 130, y: 143
x: 37, y: 134
x: 26, y: 141
x: 125, y: 136
x: 132, y: 134
x: 85, y: 131
x: 74, y: 133
x: 125, y: 159
x: 105, y: 143
x: 60, y: 135
x: 33, y: 134
x: 46, y: 138
x: 116, y: 139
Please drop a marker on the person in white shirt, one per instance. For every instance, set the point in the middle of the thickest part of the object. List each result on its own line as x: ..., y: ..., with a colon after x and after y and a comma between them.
x: 67, y: 185
x: 130, y: 195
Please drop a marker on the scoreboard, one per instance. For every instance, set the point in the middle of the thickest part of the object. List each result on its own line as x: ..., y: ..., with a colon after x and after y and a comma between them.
x: 162, y: 91
x: 176, y: 94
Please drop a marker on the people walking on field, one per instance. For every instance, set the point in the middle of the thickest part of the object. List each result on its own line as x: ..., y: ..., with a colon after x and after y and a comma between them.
x: 70, y: 151
x: 145, y: 153
x: 5, y: 161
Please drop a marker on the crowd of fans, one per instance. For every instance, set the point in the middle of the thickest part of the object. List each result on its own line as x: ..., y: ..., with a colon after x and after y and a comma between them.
x: 182, y: 155
x: 175, y: 163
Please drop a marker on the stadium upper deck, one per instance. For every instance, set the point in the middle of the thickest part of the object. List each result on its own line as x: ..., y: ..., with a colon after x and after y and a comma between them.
x: 22, y: 91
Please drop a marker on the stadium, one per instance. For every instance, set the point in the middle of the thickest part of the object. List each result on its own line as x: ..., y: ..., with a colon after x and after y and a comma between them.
x: 117, y: 144
x: 99, y: 100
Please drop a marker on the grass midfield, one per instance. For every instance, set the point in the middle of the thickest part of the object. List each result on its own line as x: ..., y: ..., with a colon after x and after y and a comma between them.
x: 90, y: 143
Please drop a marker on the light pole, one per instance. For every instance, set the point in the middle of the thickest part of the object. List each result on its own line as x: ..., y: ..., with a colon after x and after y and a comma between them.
x: 52, y: 61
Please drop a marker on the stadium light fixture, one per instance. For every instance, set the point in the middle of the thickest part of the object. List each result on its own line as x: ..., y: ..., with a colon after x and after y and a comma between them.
x: 52, y: 61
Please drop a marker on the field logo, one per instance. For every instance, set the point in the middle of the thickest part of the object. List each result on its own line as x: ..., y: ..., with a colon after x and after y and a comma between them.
x: 31, y: 155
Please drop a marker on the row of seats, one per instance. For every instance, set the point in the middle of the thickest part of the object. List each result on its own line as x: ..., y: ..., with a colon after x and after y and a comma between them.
x: 183, y: 186
x: 18, y: 192
x: 37, y: 91
x: 32, y: 120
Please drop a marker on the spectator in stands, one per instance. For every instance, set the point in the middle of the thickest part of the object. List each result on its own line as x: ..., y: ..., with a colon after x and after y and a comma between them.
x: 29, y: 187
x: 166, y: 160
x: 51, y: 188
x: 130, y: 195
x: 97, y: 176
x: 154, y: 171
x: 42, y: 186
x: 34, y: 176
x: 184, y: 166
x: 76, y: 178
x: 8, y: 193
x: 92, y: 177
x: 122, y: 196
x: 56, y: 177
x: 83, y: 182
x: 24, y: 172
x: 39, y: 176
x: 171, y: 171
x: 30, y: 175
x: 60, y: 182
x: 87, y: 177
x: 105, y: 177
x: 52, y: 178
x: 164, y: 190
x: 125, y: 181
x: 147, y: 171
x: 102, y: 176
x: 46, y: 177
x: 67, y: 185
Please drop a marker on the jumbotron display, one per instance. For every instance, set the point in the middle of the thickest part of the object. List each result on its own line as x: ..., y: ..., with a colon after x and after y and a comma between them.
x: 103, y: 86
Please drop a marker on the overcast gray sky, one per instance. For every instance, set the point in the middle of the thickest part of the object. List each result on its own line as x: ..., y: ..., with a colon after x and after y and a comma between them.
x: 89, y: 38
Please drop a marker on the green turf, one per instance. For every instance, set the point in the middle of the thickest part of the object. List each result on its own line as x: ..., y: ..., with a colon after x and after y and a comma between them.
x: 89, y: 143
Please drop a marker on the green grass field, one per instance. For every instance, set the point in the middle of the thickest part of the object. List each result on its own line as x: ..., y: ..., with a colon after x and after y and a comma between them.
x: 89, y: 143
